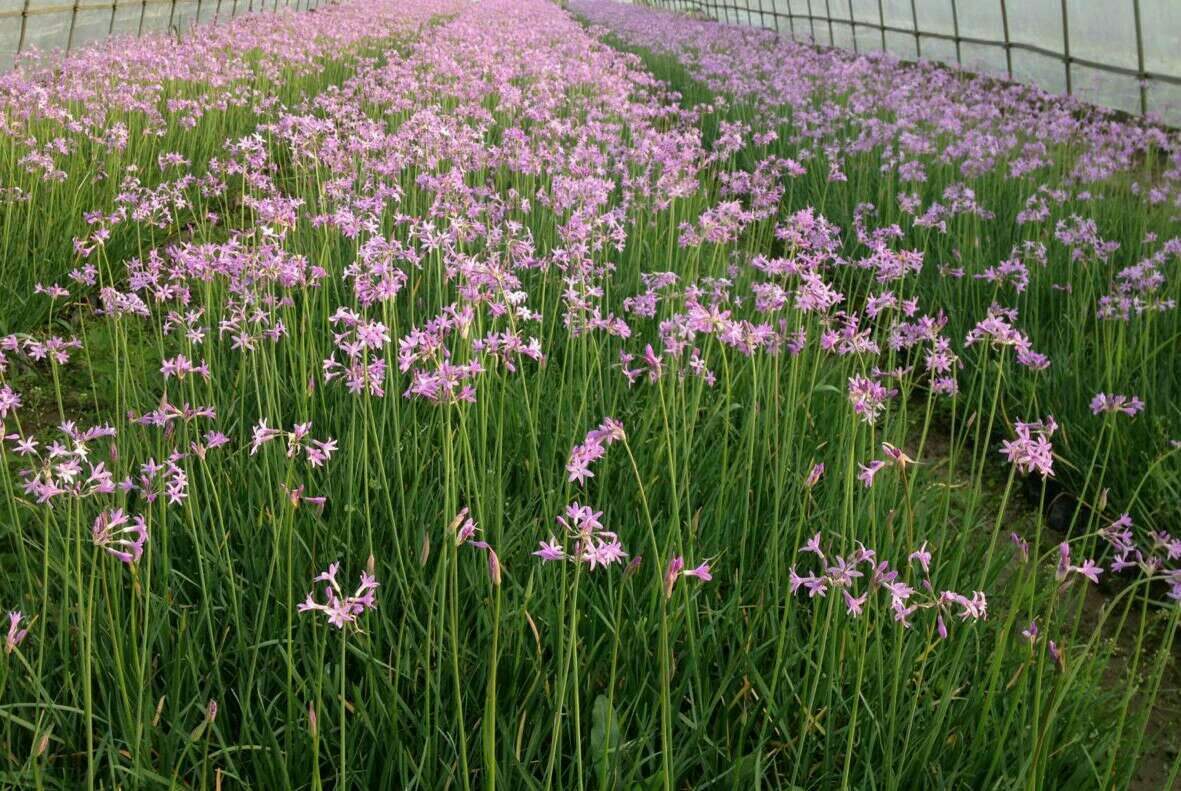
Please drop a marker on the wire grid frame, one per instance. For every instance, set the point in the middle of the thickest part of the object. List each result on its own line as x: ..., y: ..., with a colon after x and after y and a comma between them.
x: 22, y: 20
x: 819, y: 15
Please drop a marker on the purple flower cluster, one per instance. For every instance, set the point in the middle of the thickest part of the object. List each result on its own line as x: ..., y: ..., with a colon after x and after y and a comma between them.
x: 1031, y: 451
x: 1107, y: 404
x: 842, y: 574
x: 120, y: 535
x: 317, y: 452
x: 342, y: 610
x: 591, y: 543
x: 593, y: 448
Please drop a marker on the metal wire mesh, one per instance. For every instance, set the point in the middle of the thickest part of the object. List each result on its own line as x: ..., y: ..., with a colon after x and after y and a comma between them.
x: 53, y: 24
x: 1127, y: 53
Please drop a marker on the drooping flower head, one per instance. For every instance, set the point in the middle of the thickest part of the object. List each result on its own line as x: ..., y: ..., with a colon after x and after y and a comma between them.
x: 120, y: 535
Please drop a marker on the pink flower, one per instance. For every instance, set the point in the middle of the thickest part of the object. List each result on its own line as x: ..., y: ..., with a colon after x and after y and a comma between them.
x: 1089, y: 569
x: 16, y: 635
x: 342, y: 610
x: 675, y: 566
x: 702, y: 573
x: 923, y: 557
x: 868, y: 471
x: 897, y: 455
x: 550, y: 550
x: 121, y: 536
x: 593, y: 448
x: 855, y: 605
x: 1103, y: 403
x: 676, y: 569
x: 1031, y: 451
x: 812, y: 545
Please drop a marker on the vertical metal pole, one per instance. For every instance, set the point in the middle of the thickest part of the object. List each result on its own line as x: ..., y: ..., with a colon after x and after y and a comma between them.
x: 111, y: 25
x: 143, y: 9
x: 914, y: 18
x: 1142, y: 81
x: 882, y: 25
x: 1066, y: 47
x: 1008, y: 43
x: 853, y: 27
x: 812, y: 21
x: 791, y: 20
x: 20, y: 41
x: 171, y: 13
x: 73, y: 22
x: 832, y: 39
x: 955, y: 26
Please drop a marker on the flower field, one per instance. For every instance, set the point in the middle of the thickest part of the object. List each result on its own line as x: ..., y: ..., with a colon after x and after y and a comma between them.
x: 445, y: 394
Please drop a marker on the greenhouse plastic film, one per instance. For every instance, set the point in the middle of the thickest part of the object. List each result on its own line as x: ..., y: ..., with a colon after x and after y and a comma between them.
x: 47, y: 25
x: 1122, y: 54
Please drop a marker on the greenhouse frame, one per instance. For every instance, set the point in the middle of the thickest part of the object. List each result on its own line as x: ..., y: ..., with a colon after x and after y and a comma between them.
x: 1116, y: 53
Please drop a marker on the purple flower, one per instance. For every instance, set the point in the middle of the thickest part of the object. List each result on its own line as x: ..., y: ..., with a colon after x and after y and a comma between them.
x: 593, y: 544
x: 16, y: 635
x: 181, y: 367
x: 868, y: 471
x: 262, y: 435
x: 841, y: 573
x: 869, y: 398
x: 676, y: 569
x: 923, y: 557
x: 593, y: 448
x: 317, y: 452
x: 812, y: 545
x: 795, y: 580
x: 1103, y: 403
x: 897, y: 455
x: 10, y: 401
x: 702, y: 573
x: 1063, y: 561
x: 121, y: 536
x: 342, y: 610
x: 1021, y: 544
x: 1089, y: 569
x: 855, y: 605
x: 1031, y: 451
x: 675, y: 566
x: 551, y: 550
